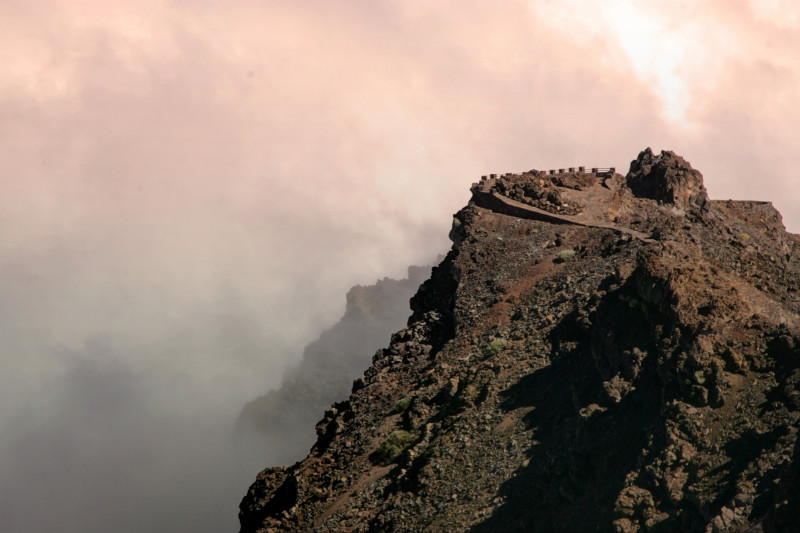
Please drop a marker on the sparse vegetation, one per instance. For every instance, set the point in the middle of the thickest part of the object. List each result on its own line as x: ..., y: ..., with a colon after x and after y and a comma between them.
x: 565, y: 255
x: 745, y: 236
x: 392, y: 447
x: 402, y: 404
x: 495, y: 347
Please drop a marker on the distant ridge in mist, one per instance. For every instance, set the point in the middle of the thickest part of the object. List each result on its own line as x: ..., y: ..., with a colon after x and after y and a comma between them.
x: 284, y: 419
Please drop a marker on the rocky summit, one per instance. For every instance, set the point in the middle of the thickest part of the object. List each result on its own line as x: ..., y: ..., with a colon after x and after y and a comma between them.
x: 597, y: 352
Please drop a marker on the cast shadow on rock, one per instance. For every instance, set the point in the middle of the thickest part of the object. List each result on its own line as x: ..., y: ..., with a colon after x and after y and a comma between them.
x: 584, y: 443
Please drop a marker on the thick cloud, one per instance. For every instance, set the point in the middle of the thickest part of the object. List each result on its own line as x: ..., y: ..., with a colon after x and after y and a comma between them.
x: 198, y: 183
x: 102, y: 449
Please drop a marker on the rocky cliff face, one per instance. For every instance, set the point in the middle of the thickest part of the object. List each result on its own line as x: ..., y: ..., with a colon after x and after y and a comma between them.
x: 669, y: 179
x: 633, y: 366
x: 283, y: 420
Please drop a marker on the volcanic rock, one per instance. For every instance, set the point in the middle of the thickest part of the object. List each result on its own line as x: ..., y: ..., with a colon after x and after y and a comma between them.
x: 667, y: 178
x: 631, y: 367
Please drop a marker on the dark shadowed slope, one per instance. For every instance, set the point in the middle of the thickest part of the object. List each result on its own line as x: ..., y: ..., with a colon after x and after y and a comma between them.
x: 562, y: 376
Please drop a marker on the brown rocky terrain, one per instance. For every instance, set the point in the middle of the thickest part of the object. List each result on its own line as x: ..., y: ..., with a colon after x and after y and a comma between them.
x: 632, y: 365
x: 282, y: 421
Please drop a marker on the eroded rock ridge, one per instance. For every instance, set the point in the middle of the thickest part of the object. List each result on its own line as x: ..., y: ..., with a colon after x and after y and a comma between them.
x: 632, y: 364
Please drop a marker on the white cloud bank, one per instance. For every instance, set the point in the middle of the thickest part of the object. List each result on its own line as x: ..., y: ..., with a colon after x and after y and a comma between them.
x: 190, y: 187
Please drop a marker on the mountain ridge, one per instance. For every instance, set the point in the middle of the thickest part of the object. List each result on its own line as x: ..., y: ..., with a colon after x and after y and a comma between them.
x: 559, y: 375
x: 282, y: 420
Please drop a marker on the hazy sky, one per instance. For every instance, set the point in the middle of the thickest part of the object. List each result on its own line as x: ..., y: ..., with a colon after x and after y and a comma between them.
x: 190, y: 187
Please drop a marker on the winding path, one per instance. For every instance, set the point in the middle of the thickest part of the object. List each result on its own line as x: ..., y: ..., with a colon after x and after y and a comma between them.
x: 484, y: 196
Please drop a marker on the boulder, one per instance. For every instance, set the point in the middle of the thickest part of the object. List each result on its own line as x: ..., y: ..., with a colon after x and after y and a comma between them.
x: 668, y: 178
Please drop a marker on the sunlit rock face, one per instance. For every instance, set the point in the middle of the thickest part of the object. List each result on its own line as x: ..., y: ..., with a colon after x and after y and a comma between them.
x: 667, y: 178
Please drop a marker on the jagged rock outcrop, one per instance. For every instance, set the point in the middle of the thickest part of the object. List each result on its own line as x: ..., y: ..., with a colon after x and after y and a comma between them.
x: 634, y: 367
x: 284, y: 419
x: 667, y: 178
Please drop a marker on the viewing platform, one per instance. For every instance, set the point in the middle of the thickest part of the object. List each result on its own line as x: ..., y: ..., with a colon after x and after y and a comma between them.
x: 565, y: 196
x: 600, y: 172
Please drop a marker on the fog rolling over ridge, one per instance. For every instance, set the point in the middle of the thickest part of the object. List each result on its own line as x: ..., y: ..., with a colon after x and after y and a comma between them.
x: 281, y: 422
x: 188, y: 188
x: 150, y: 452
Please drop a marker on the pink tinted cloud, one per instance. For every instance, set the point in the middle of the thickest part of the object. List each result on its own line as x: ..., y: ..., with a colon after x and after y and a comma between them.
x: 327, y: 143
x: 197, y: 183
